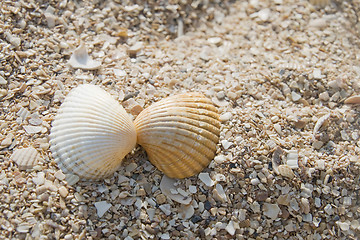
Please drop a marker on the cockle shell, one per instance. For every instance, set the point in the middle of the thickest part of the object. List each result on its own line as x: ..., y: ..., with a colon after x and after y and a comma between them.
x: 179, y: 134
x: 91, y: 133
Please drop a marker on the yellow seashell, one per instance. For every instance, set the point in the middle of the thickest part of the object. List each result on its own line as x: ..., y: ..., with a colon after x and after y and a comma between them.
x: 91, y: 133
x: 179, y: 134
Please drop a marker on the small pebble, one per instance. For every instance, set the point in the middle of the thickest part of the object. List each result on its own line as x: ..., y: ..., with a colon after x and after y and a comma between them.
x: 63, y: 191
x: 225, y: 116
x: 59, y: 175
x: 317, y: 144
x: 2, y: 81
x: 226, y: 144
x: 192, y: 189
x: 295, y: 96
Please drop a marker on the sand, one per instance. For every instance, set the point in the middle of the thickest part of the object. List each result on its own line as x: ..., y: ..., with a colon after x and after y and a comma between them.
x: 284, y: 76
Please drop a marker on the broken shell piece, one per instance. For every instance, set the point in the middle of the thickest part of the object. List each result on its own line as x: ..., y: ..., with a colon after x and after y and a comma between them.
x: 179, y: 134
x: 81, y: 59
x: 276, y: 159
x: 292, y: 159
x: 168, y: 188
x: 353, y: 100
x: 25, y: 158
x: 186, y: 212
x: 320, y: 122
x: 133, y: 50
x: 286, y: 171
x: 91, y: 133
x: 50, y: 17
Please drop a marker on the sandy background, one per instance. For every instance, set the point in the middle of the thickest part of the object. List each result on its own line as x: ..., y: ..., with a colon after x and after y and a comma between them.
x: 279, y: 72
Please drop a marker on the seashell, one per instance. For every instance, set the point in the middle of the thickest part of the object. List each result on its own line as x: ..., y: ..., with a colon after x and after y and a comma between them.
x: 179, y: 134
x: 81, y: 59
x: 91, y: 133
x: 25, y: 158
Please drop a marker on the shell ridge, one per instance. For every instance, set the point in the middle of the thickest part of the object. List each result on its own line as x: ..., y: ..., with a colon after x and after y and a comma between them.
x: 211, y: 123
x: 188, y: 166
x: 91, y: 133
x: 211, y: 132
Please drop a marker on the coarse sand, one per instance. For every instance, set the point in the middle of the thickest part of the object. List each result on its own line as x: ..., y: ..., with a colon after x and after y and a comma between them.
x: 284, y: 74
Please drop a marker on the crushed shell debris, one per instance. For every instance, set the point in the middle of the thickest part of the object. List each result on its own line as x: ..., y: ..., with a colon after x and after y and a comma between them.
x: 284, y: 75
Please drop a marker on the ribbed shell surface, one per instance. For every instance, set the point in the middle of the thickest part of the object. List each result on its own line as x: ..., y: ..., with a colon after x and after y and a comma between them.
x: 179, y: 134
x: 91, y: 133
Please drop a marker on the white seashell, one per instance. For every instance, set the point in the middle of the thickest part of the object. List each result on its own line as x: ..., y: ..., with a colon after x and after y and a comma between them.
x: 179, y: 134
x: 91, y: 133
x: 81, y: 59
x: 286, y: 171
x: 25, y: 158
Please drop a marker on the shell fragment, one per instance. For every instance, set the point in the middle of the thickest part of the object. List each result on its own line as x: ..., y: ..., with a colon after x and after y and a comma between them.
x: 25, y: 158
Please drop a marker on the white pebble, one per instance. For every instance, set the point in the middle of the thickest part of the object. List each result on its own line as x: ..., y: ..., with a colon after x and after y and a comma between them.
x: 264, y: 14
x: 317, y: 73
x: 32, y: 129
x: 295, y: 96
